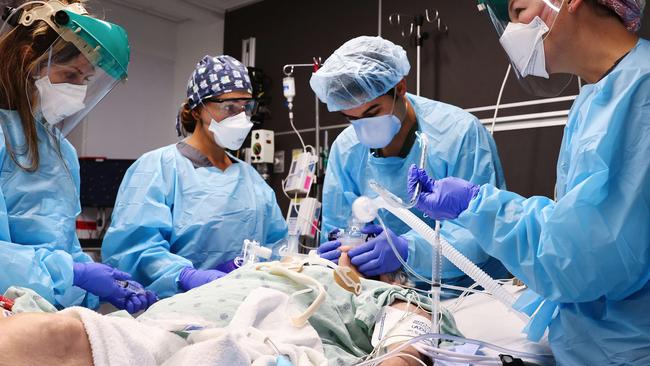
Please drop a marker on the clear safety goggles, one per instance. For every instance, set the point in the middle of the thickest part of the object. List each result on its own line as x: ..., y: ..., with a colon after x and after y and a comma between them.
x: 533, y: 20
x: 233, y: 106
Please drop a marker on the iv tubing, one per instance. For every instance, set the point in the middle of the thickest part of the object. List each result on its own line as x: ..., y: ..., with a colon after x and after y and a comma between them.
x: 424, y: 337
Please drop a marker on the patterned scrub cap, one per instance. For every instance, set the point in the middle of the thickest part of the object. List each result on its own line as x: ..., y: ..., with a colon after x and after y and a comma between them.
x: 214, y: 76
x: 630, y: 11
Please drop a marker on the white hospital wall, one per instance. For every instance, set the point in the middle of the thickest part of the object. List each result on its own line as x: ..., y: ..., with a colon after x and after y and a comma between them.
x: 139, y: 115
x: 193, y: 41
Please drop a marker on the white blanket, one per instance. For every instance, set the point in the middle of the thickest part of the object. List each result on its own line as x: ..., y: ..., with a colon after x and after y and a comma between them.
x: 263, y: 316
x: 121, y: 341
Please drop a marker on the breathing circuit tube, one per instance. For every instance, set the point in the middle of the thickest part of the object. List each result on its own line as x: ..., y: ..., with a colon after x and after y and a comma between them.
x: 365, y: 209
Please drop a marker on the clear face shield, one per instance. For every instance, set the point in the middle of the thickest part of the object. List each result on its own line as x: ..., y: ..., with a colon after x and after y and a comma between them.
x: 68, y: 86
x: 523, y: 26
x: 87, y: 60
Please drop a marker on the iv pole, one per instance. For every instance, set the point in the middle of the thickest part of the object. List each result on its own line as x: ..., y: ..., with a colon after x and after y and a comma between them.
x: 289, y: 92
x: 415, y: 28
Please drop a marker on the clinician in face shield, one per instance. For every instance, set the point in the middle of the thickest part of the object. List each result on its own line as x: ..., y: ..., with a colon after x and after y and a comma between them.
x: 586, y: 252
x: 58, y: 62
x: 364, y: 81
x: 183, y: 211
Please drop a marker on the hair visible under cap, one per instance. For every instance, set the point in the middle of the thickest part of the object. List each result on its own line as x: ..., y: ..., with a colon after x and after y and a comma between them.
x: 187, y: 119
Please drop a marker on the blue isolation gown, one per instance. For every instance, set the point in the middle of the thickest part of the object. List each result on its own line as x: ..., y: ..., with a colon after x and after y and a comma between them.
x: 589, y: 250
x: 170, y: 214
x: 38, y: 239
x: 458, y: 145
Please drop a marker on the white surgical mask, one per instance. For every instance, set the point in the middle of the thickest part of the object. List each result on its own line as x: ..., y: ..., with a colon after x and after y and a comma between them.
x: 524, y: 44
x: 59, y: 101
x: 377, y: 132
x: 232, y: 131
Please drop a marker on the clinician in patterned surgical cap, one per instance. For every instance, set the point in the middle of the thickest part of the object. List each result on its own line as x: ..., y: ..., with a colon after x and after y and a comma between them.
x: 586, y: 253
x: 365, y: 81
x: 183, y: 211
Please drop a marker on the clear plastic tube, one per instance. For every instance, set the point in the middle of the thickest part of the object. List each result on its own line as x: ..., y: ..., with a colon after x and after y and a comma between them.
x: 423, y: 160
x: 436, y: 271
x: 472, y: 358
x: 408, y: 268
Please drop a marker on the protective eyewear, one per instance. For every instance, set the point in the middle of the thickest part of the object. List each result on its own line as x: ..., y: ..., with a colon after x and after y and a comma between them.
x: 234, y: 106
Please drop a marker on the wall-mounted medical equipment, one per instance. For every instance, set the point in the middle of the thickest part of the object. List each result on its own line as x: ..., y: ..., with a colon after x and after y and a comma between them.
x: 262, y: 146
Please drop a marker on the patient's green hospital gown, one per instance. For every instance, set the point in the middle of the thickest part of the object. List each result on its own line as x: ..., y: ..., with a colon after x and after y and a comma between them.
x: 344, y: 322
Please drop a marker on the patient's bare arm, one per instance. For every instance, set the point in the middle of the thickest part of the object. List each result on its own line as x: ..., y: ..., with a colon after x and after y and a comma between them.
x: 43, y: 339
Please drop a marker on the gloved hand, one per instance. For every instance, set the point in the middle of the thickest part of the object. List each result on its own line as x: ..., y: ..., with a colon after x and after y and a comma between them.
x: 376, y: 257
x: 227, y: 267
x: 329, y: 250
x: 191, y: 278
x: 140, y: 299
x: 102, y: 280
x: 441, y: 199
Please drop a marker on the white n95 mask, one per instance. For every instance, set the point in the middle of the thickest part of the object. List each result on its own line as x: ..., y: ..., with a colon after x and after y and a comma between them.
x: 232, y: 131
x: 377, y: 132
x: 524, y: 44
x: 59, y: 101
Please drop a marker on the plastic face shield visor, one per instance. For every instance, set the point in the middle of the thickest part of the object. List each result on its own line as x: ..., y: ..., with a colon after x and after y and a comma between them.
x: 79, y: 62
x: 65, y: 67
x: 507, y: 15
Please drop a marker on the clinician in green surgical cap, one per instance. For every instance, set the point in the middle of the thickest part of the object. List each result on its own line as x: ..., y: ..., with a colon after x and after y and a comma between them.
x: 586, y: 253
x: 58, y: 62
x: 183, y: 211
x: 364, y: 80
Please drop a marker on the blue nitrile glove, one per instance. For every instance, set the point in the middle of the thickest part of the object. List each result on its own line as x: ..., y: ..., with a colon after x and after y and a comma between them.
x: 376, y: 257
x: 140, y: 298
x: 102, y: 280
x: 227, y: 267
x: 441, y: 199
x: 330, y: 249
x: 191, y: 278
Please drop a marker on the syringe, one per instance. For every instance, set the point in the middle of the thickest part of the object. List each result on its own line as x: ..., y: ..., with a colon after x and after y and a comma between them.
x: 130, y: 285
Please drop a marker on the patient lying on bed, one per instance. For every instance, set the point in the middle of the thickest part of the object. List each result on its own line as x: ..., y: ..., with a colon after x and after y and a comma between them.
x: 344, y: 322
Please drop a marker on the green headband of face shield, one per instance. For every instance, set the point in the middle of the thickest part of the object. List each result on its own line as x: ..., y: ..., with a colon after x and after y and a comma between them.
x: 104, y: 44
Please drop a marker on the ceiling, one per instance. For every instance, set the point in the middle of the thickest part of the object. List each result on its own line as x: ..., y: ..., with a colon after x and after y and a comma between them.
x: 179, y: 11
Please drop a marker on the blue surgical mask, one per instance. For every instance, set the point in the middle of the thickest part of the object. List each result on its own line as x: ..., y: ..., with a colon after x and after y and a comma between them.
x: 377, y: 132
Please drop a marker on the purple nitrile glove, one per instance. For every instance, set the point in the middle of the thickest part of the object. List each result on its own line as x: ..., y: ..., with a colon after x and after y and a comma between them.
x: 140, y: 298
x: 191, y: 278
x: 330, y: 249
x: 441, y: 199
x: 376, y: 257
x: 104, y: 281
x: 227, y: 267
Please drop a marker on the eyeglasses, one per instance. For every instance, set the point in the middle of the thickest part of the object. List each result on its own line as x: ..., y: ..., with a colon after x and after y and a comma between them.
x: 234, y: 106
